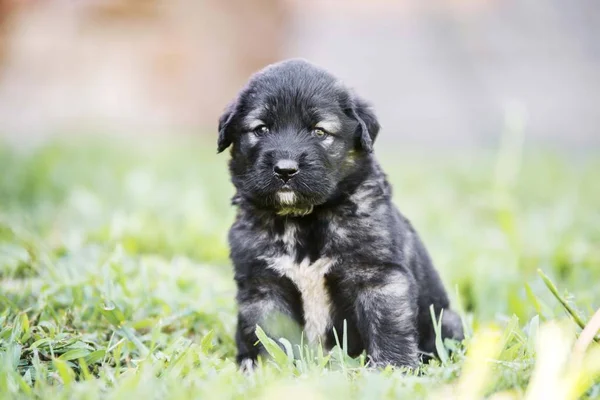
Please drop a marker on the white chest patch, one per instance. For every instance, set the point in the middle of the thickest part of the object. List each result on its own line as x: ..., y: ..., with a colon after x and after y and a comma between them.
x: 310, y: 280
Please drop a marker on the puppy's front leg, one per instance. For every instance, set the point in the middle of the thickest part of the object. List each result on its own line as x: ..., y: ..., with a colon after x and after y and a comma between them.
x: 269, y: 303
x: 386, y: 310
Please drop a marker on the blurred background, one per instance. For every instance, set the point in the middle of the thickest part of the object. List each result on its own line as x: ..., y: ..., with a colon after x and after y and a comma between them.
x: 440, y: 73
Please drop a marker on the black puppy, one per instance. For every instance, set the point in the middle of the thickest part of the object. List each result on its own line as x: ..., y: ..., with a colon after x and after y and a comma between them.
x: 317, y: 237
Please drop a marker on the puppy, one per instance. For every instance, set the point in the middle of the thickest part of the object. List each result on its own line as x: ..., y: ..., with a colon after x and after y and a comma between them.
x: 316, y: 237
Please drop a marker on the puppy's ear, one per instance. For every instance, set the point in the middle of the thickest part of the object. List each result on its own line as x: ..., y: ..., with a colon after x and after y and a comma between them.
x: 368, y: 125
x: 225, y: 134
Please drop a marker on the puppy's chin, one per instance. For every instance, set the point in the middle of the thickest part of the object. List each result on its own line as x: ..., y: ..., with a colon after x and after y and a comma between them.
x: 288, y: 203
x: 286, y: 197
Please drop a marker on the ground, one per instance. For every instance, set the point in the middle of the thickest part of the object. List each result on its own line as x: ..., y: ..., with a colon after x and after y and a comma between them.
x: 115, y: 280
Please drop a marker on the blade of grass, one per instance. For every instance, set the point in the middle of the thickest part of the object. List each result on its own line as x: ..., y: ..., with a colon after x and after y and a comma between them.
x: 588, y: 335
x: 552, y: 287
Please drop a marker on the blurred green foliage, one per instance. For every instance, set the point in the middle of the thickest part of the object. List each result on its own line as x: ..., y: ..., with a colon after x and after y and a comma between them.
x: 115, y: 280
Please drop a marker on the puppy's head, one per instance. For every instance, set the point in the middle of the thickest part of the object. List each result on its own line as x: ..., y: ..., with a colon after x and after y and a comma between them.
x: 296, y: 132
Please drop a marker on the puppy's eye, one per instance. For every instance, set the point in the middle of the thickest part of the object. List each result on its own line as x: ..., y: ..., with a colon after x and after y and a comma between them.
x: 319, y: 132
x: 261, y: 130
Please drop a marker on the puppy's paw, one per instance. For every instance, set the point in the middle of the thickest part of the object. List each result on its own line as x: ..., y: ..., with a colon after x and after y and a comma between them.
x: 406, y: 361
x: 452, y: 326
x: 247, y: 365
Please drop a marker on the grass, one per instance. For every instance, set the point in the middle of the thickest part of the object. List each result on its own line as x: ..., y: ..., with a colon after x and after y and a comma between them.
x: 115, y: 280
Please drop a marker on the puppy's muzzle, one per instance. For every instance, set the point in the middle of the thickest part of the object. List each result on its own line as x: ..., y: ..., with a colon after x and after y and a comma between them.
x: 285, y: 169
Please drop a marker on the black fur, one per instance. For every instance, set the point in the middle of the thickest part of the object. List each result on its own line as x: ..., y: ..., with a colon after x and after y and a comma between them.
x: 327, y: 245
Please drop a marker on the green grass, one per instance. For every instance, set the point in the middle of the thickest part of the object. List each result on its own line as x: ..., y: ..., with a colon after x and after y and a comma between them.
x: 115, y: 280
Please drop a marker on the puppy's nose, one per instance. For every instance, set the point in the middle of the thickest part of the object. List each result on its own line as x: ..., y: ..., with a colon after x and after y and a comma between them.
x: 285, y: 169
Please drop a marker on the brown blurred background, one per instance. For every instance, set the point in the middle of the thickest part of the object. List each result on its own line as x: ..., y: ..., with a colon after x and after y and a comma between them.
x: 438, y: 72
